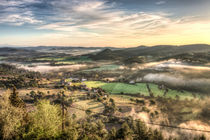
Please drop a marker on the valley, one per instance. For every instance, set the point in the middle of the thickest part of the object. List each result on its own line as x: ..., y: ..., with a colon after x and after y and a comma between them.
x: 168, y: 88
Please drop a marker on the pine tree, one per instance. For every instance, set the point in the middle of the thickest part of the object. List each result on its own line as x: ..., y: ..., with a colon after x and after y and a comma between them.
x: 157, y: 135
x: 142, y: 131
x: 125, y: 132
x: 15, y: 100
x: 112, y: 134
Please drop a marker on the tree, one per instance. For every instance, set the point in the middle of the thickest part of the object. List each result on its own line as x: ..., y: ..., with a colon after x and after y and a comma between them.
x: 102, y: 132
x: 125, y: 132
x: 109, y: 110
x: 36, y: 96
x: 112, y: 134
x: 156, y: 135
x: 149, y: 90
x: 112, y: 101
x: 12, y: 119
x: 142, y: 131
x: 64, y: 102
x: 44, y: 121
x: 88, y: 112
x: 15, y: 100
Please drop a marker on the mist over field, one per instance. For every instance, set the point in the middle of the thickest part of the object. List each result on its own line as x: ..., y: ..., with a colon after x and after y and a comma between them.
x: 182, y: 82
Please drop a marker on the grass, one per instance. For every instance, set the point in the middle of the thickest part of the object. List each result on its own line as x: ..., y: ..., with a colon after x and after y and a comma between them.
x: 65, y: 63
x: 139, y: 88
x: 104, y: 67
x: 94, y: 84
x: 1, y: 58
x: 171, y: 93
x: 87, y: 104
x: 115, y: 88
x: 65, y: 60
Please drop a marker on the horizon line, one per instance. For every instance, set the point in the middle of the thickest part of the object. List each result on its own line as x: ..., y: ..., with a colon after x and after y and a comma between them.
x: 23, y: 46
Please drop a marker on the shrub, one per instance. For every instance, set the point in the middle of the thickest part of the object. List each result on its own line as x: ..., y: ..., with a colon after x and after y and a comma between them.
x: 131, y: 99
x: 124, y: 132
x: 15, y: 100
x: 140, y: 101
x: 145, y: 109
x: 11, y: 119
x: 152, y: 102
x: 88, y: 112
x: 46, y: 121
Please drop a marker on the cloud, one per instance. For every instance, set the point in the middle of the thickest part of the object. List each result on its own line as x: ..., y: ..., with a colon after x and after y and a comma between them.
x: 98, y: 23
x: 19, y: 19
x: 15, y: 12
x: 101, y: 18
x: 160, y: 2
x: 77, y: 15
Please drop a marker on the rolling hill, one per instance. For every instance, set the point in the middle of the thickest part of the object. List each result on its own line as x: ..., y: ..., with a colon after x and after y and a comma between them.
x: 161, y: 51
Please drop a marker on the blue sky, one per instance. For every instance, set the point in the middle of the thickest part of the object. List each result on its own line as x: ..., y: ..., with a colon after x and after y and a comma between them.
x: 119, y: 23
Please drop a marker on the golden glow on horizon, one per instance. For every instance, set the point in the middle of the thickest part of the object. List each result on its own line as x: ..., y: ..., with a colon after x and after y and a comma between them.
x: 174, y: 34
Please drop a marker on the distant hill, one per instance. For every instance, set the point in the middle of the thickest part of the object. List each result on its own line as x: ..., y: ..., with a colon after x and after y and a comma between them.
x: 161, y: 51
x: 65, y: 48
x: 13, y: 50
x: 7, y: 49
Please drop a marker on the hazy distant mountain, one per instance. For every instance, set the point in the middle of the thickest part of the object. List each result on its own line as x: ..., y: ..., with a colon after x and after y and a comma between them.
x: 110, y: 53
x: 12, y: 50
x: 64, y: 48
x: 160, y: 51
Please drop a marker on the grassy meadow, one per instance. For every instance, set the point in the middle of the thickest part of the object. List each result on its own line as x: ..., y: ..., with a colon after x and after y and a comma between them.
x: 139, y: 88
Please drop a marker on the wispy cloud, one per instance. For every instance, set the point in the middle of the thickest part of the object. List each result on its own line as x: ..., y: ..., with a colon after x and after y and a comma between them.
x: 100, y: 18
x: 96, y: 22
x: 160, y: 2
x: 19, y: 19
x: 15, y: 12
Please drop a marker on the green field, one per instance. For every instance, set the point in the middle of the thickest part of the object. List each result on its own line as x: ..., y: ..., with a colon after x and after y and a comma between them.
x: 139, y: 88
x: 104, y: 68
x: 1, y: 58
x: 65, y: 60
x: 65, y: 63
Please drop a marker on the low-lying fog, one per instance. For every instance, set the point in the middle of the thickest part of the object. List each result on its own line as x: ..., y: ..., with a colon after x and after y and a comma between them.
x: 196, y: 84
x: 181, y: 75
x: 73, y: 52
x: 173, y: 73
x: 45, y: 67
x: 174, y: 64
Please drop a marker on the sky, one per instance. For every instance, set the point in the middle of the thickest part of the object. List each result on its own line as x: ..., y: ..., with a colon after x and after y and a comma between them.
x: 101, y: 23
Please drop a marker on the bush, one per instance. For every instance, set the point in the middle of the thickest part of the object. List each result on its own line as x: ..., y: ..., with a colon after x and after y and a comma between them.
x: 145, y: 109
x: 152, y: 102
x: 140, y: 101
x: 11, y: 119
x: 15, y: 100
x: 46, y: 121
x: 124, y: 132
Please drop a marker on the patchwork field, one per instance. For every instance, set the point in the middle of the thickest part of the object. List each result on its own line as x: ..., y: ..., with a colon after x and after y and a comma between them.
x: 139, y: 88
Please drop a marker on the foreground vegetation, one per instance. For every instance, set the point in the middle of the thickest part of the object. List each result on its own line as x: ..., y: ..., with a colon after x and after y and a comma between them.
x: 40, y: 115
x: 48, y: 121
